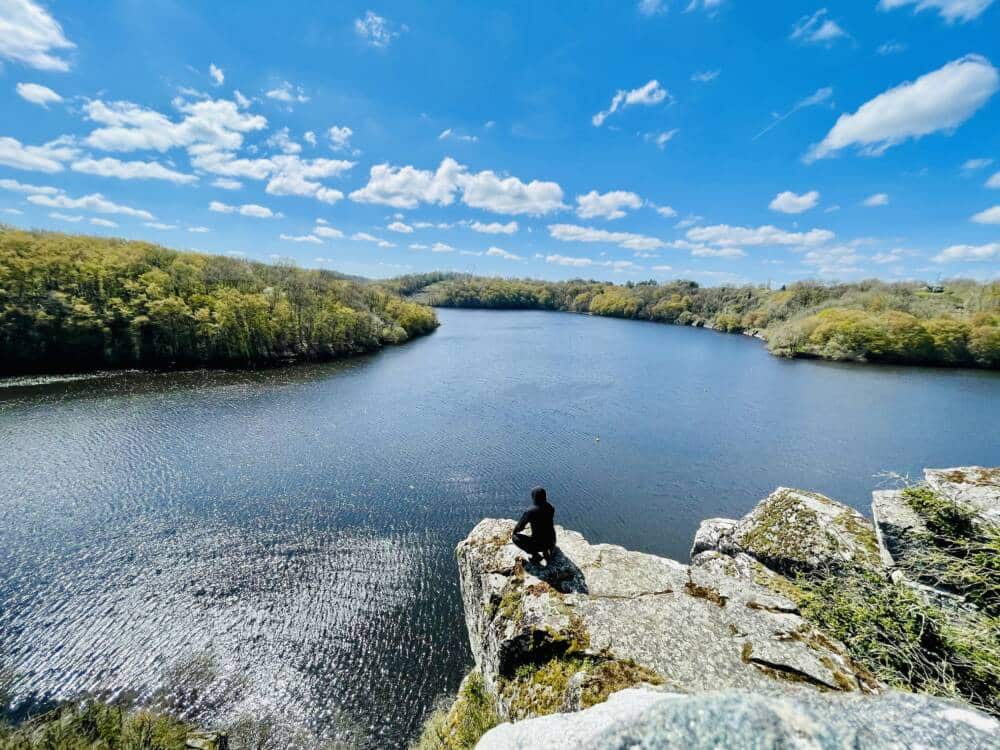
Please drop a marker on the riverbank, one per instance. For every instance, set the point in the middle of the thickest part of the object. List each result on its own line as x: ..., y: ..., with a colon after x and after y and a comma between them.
x: 800, y: 605
x: 955, y: 325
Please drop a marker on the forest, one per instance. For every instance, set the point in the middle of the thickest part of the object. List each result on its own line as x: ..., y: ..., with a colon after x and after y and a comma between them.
x: 72, y: 303
x: 956, y: 323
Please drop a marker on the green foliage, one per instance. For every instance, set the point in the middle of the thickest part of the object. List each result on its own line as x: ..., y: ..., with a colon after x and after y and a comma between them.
x: 96, y: 726
x: 864, y: 321
x: 73, y: 302
x: 460, y: 726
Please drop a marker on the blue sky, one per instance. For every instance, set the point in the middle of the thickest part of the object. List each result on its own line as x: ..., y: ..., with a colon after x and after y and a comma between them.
x: 721, y: 140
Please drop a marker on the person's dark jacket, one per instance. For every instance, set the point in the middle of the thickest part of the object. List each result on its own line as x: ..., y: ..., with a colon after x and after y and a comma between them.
x: 539, y: 517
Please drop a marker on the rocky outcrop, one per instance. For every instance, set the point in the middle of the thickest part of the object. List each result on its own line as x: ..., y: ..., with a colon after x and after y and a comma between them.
x: 597, y: 610
x: 974, y: 487
x: 646, y: 719
x: 793, y: 531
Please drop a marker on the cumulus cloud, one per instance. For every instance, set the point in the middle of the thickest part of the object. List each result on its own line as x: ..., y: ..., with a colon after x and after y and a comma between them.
x: 218, y: 123
x: 965, y: 253
x: 877, y: 199
x: 287, y: 93
x: 95, y: 202
x: 994, y: 181
x: 988, y: 216
x: 328, y: 232
x: 247, y: 209
x: 131, y: 170
x: 950, y: 10
x: 29, y: 35
x: 46, y: 158
x: 649, y: 94
x: 20, y: 187
x: 65, y: 217
x: 375, y: 30
x: 788, y: 202
x: 667, y: 212
x: 440, y: 247
x: 494, y: 227
x: 97, y: 222
x: 159, y: 225
x: 227, y: 183
x: 628, y: 240
x: 726, y: 235
x: 365, y: 237
x: 217, y: 75
x: 340, y: 137
x: 818, y: 28
x: 834, y: 260
x: 310, y: 238
x: 580, y: 262
x: 407, y: 187
x: 937, y: 101
x: 398, y: 226
x: 971, y: 165
x: 38, y: 94
x: 496, y: 252
x: 608, y: 205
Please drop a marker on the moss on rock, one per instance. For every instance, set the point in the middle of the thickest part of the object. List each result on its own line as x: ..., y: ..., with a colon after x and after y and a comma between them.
x: 459, y: 726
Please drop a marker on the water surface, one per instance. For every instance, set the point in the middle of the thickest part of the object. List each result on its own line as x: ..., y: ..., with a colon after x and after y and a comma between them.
x: 279, y: 544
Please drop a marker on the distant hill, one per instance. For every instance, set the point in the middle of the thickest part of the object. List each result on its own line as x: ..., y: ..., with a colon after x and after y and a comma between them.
x: 72, y: 302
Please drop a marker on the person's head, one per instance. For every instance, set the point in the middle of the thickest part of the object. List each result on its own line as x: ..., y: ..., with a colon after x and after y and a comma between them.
x: 538, y: 495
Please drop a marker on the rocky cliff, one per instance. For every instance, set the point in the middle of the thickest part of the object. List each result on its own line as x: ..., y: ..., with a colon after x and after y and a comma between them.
x: 605, y: 647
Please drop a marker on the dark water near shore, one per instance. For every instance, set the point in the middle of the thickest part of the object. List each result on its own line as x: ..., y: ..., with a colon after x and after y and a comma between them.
x: 280, y: 544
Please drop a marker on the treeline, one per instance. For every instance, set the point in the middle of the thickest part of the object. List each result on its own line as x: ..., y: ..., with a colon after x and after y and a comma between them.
x: 956, y: 325
x: 72, y: 302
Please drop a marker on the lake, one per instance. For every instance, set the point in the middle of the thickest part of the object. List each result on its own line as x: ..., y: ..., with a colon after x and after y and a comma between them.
x: 279, y: 545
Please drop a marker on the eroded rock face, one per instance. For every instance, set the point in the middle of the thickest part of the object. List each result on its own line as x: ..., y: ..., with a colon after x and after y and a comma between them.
x: 636, y: 616
x: 794, y: 531
x: 975, y: 487
x: 642, y: 718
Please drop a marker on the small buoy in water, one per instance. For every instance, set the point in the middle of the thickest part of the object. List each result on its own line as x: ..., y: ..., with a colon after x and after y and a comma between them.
x: 597, y: 438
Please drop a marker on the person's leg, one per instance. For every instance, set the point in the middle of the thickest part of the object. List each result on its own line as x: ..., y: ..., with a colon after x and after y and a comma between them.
x: 527, y: 544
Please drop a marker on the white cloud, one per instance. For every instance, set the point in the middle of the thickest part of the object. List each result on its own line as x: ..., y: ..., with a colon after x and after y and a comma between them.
x: 375, y: 30
x: 724, y: 234
x: 29, y: 35
x: 972, y: 165
x: 20, y: 187
x: 11, y: 211
x: 709, y: 6
x: 896, y: 255
x: 950, y: 10
x: 131, y: 170
x: 968, y: 253
x: 247, y: 209
x: 94, y: 202
x: 705, y: 76
x: 578, y: 262
x: 310, y: 238
x: 38, y: 94
x: 129, y: 127
x: 652, y: 7
x: 703, y: 251
x: 649, y: 94
x: 159, y: 225
x: 407, y: 187
x: 817, y: 29
x: 661, y: 139
x: 398, y: 226
x: 608, y: 205
x: 994, y: 181
x: 440, y: 247
x: 340, y: 136
x: 496, y: 252
x: 203, y: 230
x: 662, y: 269
x: 227, y: 183
x: 328, y: 232
x: 217, y: 75
x: 287, y: 93
x: 310, y: 138
x: 628, y: 240
x: 891, y: 48
x: 103, y: 223
x: 940, y: 100
x: 820, y: 96
x: 788, y: 202
x: 418, y: 246
x: 241, y: 100
x: 667, y: 212
x: 835, y: 260
x: 365, y: 237
x: 988, y: 216
x: 877, y: 199
x: 494, y: 227
x: 449, y: 134
x: 64, y: 217
x: 46, y: 158
x: 281, y: 140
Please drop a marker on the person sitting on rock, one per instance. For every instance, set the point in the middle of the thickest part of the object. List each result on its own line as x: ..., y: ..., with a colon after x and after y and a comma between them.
x: 539, y: 516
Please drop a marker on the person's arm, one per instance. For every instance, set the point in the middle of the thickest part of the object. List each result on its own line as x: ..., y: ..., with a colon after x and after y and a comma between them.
x: 525, y: 520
